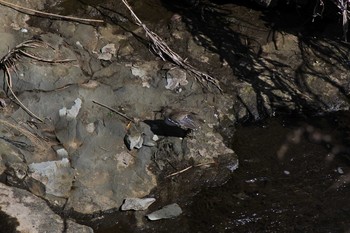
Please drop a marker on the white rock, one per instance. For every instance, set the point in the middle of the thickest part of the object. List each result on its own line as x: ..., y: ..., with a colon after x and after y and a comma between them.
x: 169, y: 211
x: 137, y: 203
x: 62, y: 153
x: 155, y: 138
x: 340, y: 170
x: 176, y: 77
x: 107, y: 52
x: 109, y: 48
x: 90, y: 128
x: 57, y: 176
x: 73, y: 111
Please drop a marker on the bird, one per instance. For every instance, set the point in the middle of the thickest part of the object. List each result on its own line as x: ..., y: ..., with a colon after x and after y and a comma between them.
x: 185, y: 120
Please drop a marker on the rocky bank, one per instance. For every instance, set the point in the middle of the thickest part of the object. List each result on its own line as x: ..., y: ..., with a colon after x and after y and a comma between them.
x: 74, y: 154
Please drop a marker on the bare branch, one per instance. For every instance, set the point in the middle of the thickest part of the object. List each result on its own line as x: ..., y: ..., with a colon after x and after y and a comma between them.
x: 161, y: 48
x: 49, y: 15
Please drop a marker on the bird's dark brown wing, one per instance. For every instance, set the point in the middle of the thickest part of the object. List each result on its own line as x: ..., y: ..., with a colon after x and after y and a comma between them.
x: 185, y: 120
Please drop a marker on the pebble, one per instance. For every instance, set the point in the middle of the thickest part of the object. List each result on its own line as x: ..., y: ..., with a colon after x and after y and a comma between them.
x: 169, y: 211
x: 137, y: 203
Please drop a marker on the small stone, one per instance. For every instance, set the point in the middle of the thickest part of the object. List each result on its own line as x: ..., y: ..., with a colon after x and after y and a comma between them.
x: 62, y: 153
x: 90, y: 128
x: 137, y: 203
x: 340, y: 170
x: 155, y: 138
x: 79, y: 44
x: 176, y: 77
x: 133, y: 141
x: 169, y: 211
x: 134, y: 137
x: 286, y: 172
x: 107, y: 52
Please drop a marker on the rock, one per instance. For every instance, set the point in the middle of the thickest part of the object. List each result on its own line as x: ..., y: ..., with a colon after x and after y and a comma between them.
x: 41, y: 76
x: 8, y: 41
x: 32, y: 213
x: 137, y: 203
x: 57, y: 176
x: 138, y: 135
x: 266, y: 3
x: 62, y: 153
x: 107, y: 52
x: 175, y: 78
x: 169, y: 211
x: 134, y: 137
x: 145, y: 72
x: 248, y: 98
x: 106, y: 172
x: 67, y: 126
x: 72, y: 112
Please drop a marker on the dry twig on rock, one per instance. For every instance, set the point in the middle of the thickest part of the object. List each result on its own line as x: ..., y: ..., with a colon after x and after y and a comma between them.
x: 49, y: 15
x: 115, y: 111
x: 188, y: 168
x: 8, y: 63
x: 161, y: 48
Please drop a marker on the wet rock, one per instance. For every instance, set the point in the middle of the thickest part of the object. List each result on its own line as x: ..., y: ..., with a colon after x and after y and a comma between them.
x: 33, y: 214
x: 214, y: 147
x: 137, y: 203
x: 169, y: 211
x: 285, y: 49
x: 57, y: 176
x: 248, y: 99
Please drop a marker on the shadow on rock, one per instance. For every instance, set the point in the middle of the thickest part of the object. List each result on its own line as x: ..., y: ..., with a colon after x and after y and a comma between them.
x: 159, y: 128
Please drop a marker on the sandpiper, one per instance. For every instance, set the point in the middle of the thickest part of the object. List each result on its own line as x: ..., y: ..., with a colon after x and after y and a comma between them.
x: 183, y: 119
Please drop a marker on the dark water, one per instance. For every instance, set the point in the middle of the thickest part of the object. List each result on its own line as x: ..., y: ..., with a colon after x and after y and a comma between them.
x: 294, y: 176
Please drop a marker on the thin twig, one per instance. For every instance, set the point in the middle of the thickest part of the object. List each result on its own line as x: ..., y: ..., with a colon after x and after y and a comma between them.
x: 115, y: 111
x: 50, y: 15
x: 188, y: 168
x: 8, y: 62
x: 9, y: 86
x: 161, y: 48
x: 46, y: 60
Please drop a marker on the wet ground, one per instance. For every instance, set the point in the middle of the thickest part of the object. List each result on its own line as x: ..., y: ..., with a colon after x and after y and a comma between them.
x: 294, y: 176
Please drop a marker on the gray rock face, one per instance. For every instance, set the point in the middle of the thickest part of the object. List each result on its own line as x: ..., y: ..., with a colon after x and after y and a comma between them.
x: 57, y: 176
x: 32, y: 213
x: 78, y: 157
